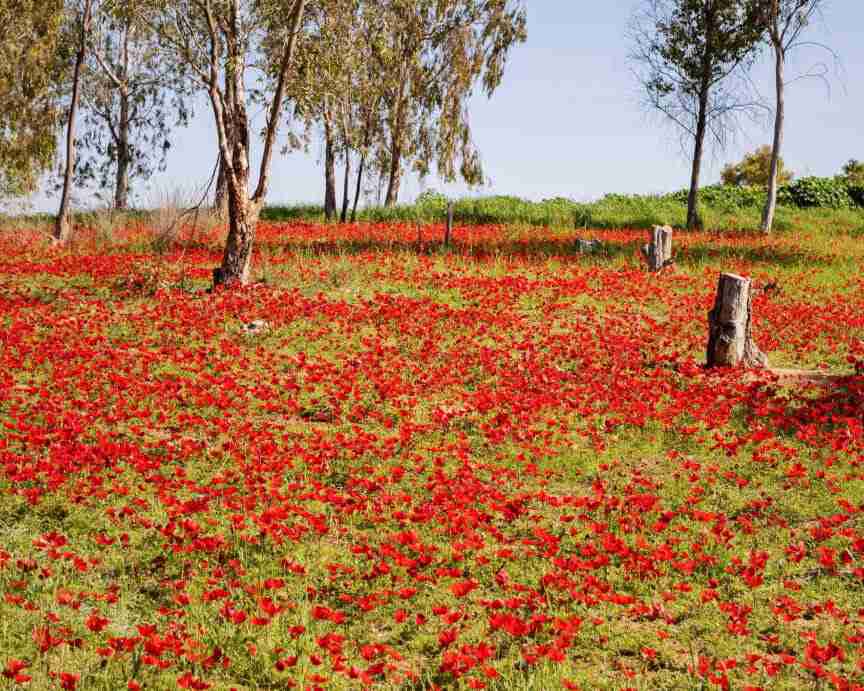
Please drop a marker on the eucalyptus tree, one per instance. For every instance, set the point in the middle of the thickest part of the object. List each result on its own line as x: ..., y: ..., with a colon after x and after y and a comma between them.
x: 362, y: 116
x: 132, y: 98
x: 221, y: 43
x: 686, y: 53
x: 367, y: 128
x: 81, y: 21
x: 432, y: 58
x: 786, y: 21
x: 31, y: 53
x: 336, y: 88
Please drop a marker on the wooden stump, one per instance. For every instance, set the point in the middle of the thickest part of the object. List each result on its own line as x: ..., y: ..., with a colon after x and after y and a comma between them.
x: 658, y: 253
x: 730, y: 340
x: 588, y: 246
x: 218, y: 277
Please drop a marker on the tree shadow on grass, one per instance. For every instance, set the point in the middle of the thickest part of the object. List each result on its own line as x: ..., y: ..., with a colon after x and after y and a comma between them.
x: 786, y: 257
x: 808, y: 400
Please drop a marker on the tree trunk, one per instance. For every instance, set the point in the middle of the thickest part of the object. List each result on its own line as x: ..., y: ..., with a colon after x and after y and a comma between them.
x: 730, y: 339
x: 396, y: 136
x: 658, y: 253
x: 242, y: 210
x: 232, y: 126
x: 121, y: 187
x: 63, y: 224
x: 358, y: 188
x: 345, y: 187
x: 779, y: 117
x: 698, y: 149
x: 242, y: 219
x: 329, y: 172
x: 448, y: 231
x: 220, y: 197
x: 395, y: 177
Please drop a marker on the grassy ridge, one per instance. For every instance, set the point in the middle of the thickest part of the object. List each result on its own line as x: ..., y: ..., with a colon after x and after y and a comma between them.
x: 718, y: 213
x: 612, y: 211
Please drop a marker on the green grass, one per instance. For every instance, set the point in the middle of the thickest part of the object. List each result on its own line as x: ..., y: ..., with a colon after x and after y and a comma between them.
x: 330, y: 418
x: 612, y: 211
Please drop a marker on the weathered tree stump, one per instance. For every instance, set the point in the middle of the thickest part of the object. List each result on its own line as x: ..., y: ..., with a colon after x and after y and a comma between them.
x: 658, y: 253
x: 588, y: 246
x: 218, y: 277
x: 730, y: 339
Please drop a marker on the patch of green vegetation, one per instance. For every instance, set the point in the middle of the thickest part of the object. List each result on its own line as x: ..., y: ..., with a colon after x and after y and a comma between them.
x: 722, y: 209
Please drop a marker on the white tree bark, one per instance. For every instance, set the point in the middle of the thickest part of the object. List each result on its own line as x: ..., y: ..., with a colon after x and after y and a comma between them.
x: 658, y: 253
x: 449, y: 229
x: 730, y: 340
x: 63, y: 223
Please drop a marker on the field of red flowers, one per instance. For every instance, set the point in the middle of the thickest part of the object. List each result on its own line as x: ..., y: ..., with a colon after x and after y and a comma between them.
x: 496, y: 465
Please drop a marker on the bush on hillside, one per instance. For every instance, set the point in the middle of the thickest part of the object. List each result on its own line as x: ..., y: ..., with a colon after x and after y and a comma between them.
x: 725, y: 197
x: 853, y: 171
x: 804, y: 193
x: 755, y: 170
x: 813, y: 192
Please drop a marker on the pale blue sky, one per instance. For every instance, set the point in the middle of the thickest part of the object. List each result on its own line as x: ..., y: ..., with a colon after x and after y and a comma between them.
x: 567, y: 121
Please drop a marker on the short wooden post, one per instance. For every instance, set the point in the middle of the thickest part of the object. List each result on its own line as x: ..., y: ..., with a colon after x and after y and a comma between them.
x: 449, y: 229
x: 730, y: 339
x: 658, y: 253
x: 587, y: 246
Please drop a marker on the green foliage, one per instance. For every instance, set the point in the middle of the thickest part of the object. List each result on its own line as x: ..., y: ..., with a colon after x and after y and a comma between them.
x: 398, y: 77
x: 809, y: 192
x: 703, y: 42
x: 431, y: 207
x: 30, y: 56
x: 726, y: 197
x: 853, y: 171
x: 755, y: 170
x: 723, y: 208
x: 805, y: 193
x: 131, y: 99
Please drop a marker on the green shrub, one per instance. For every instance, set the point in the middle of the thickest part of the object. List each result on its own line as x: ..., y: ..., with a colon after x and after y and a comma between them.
x: 813, y: 192
x: 297, y: 212
x: 636, y: 211
x: 856, y: 193
x: 721, y: 207
x: 725, y: 196
x: 755, y: 170
x: 853, y: 171
x: 805, y: 193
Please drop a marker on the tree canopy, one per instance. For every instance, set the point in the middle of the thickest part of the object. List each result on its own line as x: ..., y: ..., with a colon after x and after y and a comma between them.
x: 686, y: 53
x: 755, y: 170
x: 854, y: 171
x: 133, y: 97
x: 31, y: 56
